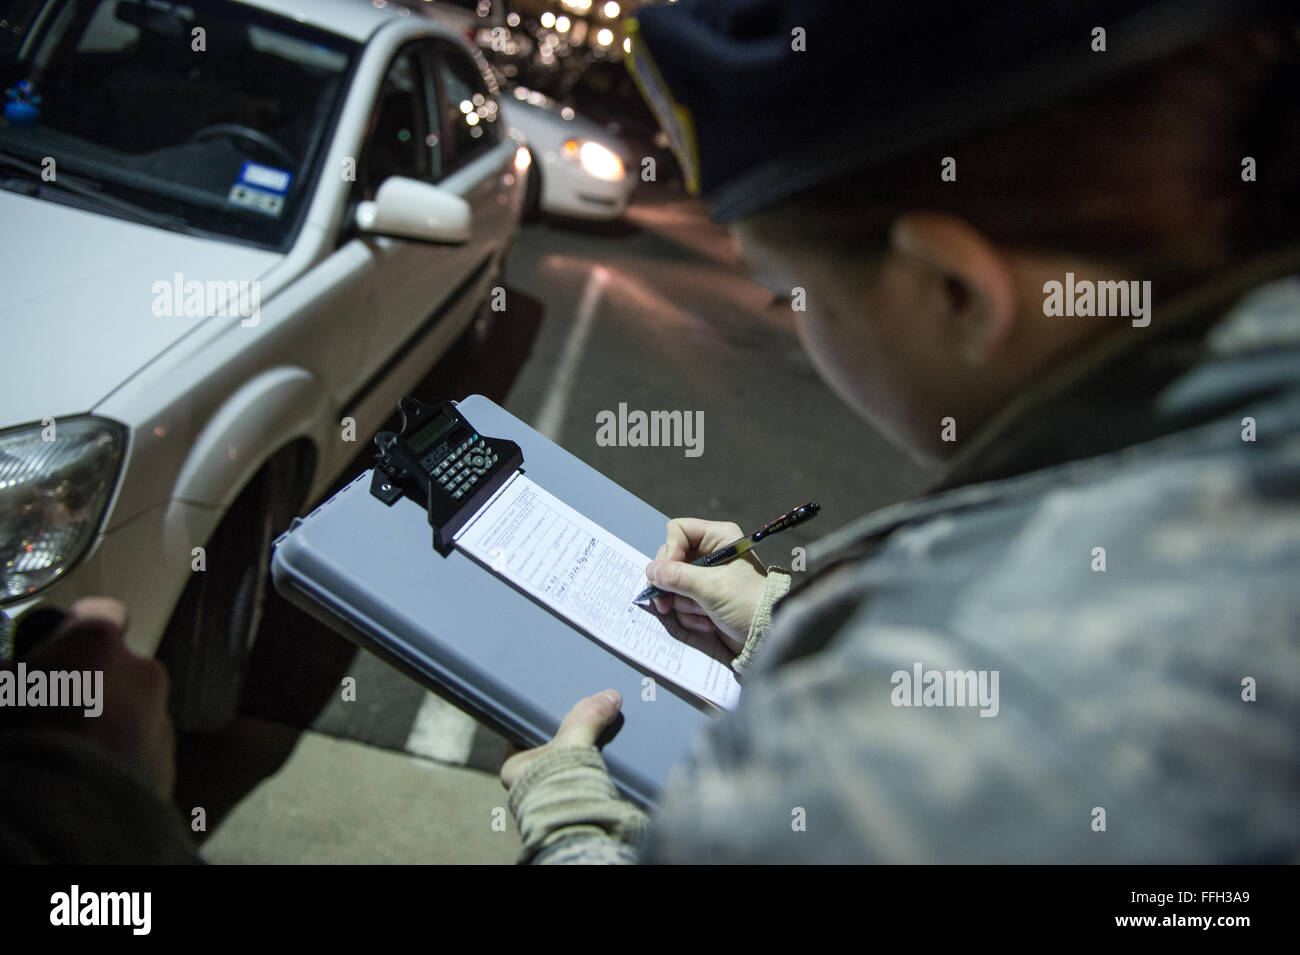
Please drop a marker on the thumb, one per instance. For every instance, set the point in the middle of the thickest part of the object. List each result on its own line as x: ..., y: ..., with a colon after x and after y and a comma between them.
x: 103, y: 608
x: 584, y: 723
x: 678, y: 577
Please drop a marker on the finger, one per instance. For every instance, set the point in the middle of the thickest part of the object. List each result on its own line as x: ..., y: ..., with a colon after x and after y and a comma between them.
x: 584, y: 723
x: 696, y: 536
x: 661, y: 603
x: 696, y: 622
x: 686, y: 580
x: 91, y: 638
x: 100, y: 608
x: 679, y: 545
x: 687, y: 605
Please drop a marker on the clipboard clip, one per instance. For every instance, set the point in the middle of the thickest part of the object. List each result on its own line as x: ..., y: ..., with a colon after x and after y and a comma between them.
x: 440, y: 461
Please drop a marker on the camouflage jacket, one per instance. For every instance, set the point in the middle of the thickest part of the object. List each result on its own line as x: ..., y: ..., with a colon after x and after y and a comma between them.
x: 1081, y: 647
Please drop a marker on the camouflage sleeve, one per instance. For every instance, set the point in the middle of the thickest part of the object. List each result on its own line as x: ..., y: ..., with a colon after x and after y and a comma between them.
x: 569, y: 812
x: 817, y: 765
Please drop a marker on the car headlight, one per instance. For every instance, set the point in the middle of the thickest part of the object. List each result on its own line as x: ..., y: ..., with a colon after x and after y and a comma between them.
x: 55, y: 484
x: 597, y: 160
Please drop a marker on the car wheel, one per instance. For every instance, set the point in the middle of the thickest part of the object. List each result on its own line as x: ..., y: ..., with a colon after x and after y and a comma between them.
x: 533, y: 194
x: 210, y: 636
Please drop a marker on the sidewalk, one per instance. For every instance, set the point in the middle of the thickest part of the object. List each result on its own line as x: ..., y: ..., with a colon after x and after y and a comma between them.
x: 339, y: 801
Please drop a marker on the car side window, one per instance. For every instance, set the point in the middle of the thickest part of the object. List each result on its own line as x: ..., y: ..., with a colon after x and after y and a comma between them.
x: 470, y: 114
x: 400, y: 140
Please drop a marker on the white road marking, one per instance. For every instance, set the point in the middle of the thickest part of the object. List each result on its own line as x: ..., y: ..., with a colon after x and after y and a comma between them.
x: 551, y: 418
x: 441, y: 732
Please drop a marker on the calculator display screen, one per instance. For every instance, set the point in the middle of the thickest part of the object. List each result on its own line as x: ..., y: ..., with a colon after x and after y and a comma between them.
x: 425, y: 436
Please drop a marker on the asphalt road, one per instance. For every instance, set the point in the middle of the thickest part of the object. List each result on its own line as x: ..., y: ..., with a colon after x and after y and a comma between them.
x: 654, y: 314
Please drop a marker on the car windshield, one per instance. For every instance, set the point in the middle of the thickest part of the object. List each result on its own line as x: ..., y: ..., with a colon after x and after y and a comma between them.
x: 202, y: 116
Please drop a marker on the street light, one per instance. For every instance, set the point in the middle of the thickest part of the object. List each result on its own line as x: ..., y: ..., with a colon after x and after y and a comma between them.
x: 605, y: 36
x: 562, y: 24
x: 612, y: 10
x: 548, y: 19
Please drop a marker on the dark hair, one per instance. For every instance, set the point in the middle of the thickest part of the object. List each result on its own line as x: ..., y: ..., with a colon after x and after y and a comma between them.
x: 1144, y: 173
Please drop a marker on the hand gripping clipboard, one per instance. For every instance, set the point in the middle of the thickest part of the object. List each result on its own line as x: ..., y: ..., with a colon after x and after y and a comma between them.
x: 367, y: 570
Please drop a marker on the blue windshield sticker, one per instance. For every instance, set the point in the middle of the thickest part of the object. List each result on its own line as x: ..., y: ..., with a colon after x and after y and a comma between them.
x: 265, y: 177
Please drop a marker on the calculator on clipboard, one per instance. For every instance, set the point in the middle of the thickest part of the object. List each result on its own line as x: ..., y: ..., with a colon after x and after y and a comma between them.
x: 441, y: 461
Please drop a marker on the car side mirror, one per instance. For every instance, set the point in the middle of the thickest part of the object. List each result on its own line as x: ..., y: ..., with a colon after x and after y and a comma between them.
x: 410, y: 209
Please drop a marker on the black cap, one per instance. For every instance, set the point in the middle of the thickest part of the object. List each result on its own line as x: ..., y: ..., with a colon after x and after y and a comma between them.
x: 780, y: 96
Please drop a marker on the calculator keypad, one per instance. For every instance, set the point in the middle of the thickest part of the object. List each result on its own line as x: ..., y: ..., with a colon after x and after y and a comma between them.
x: 466, y: 465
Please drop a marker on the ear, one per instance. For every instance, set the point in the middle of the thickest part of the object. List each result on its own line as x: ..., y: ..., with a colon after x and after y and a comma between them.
x: 977, y: 283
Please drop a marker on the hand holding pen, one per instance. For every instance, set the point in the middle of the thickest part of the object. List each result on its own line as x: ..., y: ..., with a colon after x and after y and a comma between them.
x: 715, y: 592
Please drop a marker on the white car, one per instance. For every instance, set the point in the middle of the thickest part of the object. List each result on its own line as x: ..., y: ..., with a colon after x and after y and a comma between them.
x: 578, y: 169
x: 235, y: 233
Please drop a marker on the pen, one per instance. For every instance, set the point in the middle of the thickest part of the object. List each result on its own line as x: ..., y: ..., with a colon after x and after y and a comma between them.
x: 744, y: 545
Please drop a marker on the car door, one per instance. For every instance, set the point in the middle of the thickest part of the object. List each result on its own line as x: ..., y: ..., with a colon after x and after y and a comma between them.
x: 478, y: 158
x: 424, y: 290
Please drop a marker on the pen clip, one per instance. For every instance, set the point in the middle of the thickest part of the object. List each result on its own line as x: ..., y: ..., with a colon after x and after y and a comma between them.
x: 787, y: 520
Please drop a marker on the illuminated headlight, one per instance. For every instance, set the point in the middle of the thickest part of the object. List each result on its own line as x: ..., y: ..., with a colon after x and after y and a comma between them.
x: 523, y: 159
x: 55, y: 483
x: 597, y: 160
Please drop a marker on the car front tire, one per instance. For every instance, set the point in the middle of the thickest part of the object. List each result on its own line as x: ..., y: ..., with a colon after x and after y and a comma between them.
x: 533, y: 195
x: 210, y: 637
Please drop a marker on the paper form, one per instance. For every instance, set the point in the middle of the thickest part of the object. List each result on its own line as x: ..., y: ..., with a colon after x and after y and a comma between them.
x: 587, y: 575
